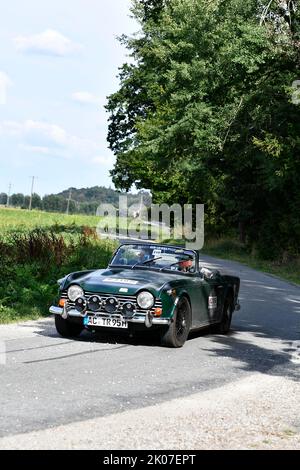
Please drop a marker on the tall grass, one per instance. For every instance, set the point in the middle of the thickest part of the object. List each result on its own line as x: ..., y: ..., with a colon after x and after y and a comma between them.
x: 31, y: 262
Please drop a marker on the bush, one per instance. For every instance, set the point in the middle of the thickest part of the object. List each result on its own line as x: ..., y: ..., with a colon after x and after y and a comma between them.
x: 31, y: 263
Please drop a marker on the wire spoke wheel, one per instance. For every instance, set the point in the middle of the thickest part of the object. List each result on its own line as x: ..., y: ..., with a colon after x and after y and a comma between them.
x: 223, y: 327
x: 176, y: 334
x: 227, y: 318
x: 181, y: 321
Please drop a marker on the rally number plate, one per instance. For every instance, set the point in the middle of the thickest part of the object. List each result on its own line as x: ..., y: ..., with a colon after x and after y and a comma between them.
x: 105, y: 322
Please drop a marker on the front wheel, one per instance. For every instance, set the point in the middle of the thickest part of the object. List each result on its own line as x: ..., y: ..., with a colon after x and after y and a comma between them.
x: 178, y: 331
x: 66, y: 329
x: 223, y: 327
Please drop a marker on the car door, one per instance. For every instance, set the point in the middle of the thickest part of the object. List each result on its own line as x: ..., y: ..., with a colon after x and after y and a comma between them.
x: 199, y: 291
x: 207, y: 300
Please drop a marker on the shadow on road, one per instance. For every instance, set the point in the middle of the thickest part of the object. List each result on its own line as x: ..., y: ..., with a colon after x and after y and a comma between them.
x: 266, y: 332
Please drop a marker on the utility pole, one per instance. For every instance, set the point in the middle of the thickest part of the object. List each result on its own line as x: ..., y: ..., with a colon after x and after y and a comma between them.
x: 69, y: 200
x: 31, y: 194
x: 141, y: 205
x: 8, y: 195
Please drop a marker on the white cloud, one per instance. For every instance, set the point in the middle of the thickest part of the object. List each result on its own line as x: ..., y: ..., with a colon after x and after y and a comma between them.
x: 5, y: 83
x: 84, y: 97
x: 35, y: 133
x: 49, y: 42
x: 51, y: 139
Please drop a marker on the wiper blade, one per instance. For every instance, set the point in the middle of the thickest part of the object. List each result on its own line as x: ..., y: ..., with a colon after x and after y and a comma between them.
x: 145, y: 262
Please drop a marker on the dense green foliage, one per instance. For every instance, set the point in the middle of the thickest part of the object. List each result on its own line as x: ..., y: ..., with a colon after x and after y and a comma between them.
x: 204, y: 114
x: 32, y: 261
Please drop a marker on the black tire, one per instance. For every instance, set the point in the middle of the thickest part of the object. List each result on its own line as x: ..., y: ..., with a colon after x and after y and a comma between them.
x: 177, y: 333
x: 67, y: 329
x: 223, y: 327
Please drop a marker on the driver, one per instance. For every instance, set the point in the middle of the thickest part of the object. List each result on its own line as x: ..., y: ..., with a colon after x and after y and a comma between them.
x: 185, y: 265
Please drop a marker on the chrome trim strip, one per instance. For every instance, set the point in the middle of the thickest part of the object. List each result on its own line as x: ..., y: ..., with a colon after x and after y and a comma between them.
x: 161, y: 321
x: 75, y: 313
x: 120, y: 297
x: 138, y: 319
x: 56, y: 310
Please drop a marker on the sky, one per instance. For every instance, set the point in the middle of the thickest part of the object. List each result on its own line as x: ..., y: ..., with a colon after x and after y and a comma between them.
x: 59, y: 61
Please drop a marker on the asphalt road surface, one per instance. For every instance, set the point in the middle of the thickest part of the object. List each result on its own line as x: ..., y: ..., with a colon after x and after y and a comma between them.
x: 47, y: 381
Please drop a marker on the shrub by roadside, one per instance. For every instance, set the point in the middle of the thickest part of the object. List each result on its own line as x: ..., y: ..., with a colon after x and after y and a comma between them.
x: 228, y: 248
x: 31, y: 263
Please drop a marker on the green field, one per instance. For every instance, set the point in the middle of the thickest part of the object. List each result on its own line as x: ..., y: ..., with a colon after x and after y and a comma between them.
x: 17, y: 219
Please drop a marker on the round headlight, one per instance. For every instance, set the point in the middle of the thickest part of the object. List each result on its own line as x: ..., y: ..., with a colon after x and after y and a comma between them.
x: 145, y: 300
x: 74, y: 292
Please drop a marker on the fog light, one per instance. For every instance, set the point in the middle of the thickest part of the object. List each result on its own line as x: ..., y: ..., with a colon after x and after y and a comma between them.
x: 62, y: 302
x: 94, y: 303
x: 80, y: 304
x: 128, y: 309
x: 111, y: 305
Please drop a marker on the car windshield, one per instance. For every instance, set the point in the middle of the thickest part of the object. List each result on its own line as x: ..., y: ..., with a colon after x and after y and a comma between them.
x: 155, y: 256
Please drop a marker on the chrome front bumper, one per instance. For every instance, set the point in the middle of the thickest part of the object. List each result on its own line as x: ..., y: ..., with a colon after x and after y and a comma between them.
x: 146, y: 319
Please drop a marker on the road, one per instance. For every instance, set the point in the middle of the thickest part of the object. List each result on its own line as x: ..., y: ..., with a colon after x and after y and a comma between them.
x: 48, y: 381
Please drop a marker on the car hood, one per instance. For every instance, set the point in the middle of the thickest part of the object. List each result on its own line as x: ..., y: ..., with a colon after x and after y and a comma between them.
x: 128, y: 281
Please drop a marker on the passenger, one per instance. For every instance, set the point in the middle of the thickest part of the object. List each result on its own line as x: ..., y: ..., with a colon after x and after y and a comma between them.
x: 143, y: 256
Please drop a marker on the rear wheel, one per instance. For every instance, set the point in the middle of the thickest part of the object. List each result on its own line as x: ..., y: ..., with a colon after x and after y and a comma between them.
x: 66, y: 328
x: 178, y: 331
x: 223, y: 327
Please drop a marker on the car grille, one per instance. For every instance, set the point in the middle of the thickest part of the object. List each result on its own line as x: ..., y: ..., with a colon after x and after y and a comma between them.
x: 121, y: 298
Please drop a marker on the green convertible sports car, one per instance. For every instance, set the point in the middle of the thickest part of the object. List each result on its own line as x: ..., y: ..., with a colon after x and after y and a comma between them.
x: 147, y: 287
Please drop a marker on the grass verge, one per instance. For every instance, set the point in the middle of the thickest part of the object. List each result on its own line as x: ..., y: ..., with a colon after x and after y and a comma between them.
x: 233, y: 250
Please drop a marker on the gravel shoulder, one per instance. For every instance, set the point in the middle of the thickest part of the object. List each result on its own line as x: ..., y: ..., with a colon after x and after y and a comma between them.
x: 258, y: 412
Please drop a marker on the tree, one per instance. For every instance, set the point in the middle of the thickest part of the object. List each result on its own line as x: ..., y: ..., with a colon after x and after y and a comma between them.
x: 3, y: 199
x: 54, y: 203
x: 204, y: 114
x: 17, y: 200
x: 36, y: 201
x: 151, y: 9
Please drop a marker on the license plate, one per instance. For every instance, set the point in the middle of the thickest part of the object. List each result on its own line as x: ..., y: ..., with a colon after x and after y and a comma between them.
x: 105, y: 322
